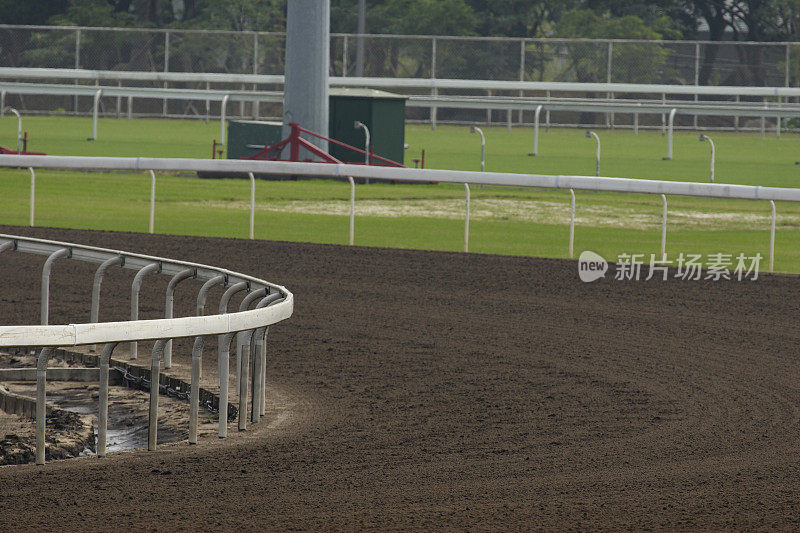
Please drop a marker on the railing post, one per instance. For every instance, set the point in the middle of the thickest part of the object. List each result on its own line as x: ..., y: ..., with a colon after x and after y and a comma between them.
x: 152, y: 200
x: 252, y: 204
x: 223, y: 358
x: 48, y: 265
x: 19, y: 127
x: 263, y: 398
x: 571, y: 220
x: 244, y: 360
x: 536, y: 130
x: 152, y: 427
x: 194, y: 392
x: 95, y: 112
x: 98, y: 281
x: 466, y: 220
x: 663, y: 228
x: 222, y: 113
x: 772, y: 235
x: 240, y: 337
x: 135, y: 288
x: 102, y: 416
x: 201, y: 298
x: 352, y: 208
x: 169, y: 304
x: 41, y: 405
x: 258, y: 375
x: 33, y: 195
x: 130, y: 107
x: 669, y: 132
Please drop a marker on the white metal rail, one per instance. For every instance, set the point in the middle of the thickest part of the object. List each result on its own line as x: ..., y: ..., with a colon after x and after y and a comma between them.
x: 274, y: 304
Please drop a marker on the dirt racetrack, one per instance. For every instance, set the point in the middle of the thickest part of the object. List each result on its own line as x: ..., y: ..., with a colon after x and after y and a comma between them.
x: 445, y: 390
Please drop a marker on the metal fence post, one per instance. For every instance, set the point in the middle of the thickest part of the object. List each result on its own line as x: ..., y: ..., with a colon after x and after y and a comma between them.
x: 201, y: 298
x: 536, y: 130
x: 669, y: 132
x: 663, y: 228
x: 152, y: 200
x: 169, y: 305
x: 240, y: 338
x: 102, y: 415
x: 95, y: 112
x: 696, y: 73
x: 772, y: 235
x: 466, y: 220
x: 194, y: 391
x: 344, y: 57
x: 608, y: 80
x: 33, y: 195
x: 41, y: 406
x: 434, y: 90
x: 135, y: 288
x: 166, y: 68
x: 521, y: 72
x: 222, y: 118
x: 155, y: 375
x: 352, y: 208
x: 98, y: 281
x: 77, y: 64
x: 252, y: 204
x: 571, y: 220
x: 223, y: 358
x: 48, y: 265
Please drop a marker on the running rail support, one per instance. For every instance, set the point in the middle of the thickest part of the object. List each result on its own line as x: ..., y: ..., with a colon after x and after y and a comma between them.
x: 663, y: 228
x: 169, y: 305
x: 571, y: 220
x: 536, y: 130
x: 41, y: 399
x: 48, y: 266
x: 194, y: 389
x: 466, y: 220
x: 152, y: 200
x: 223, y: 358
x: 240, y: 339
x: 252, y: 204
x: 102, y: 416
x: 201, y: 298
x: 152, y: 428
x: 352, y: 207
x: 19, y: 125
x: 224, y: 105
x: 95, y: 111
x: 136, y: 286
x: 33, y: 195
x: 772, y: 235
x: 98, y: 281
x: 670, y: 128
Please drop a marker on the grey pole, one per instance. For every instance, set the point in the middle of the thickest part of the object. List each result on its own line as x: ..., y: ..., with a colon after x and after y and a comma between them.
x: 152, y: 429
x: 194, y: 389
x: 466, y: 220
x: 252, y: 204
x: 33, y: 195
x: 771, y: 234
x: 571, y: 220
x: 48, y: 265
x: 170, y: 303
x: 358, y: 124
x: 240, y: 338
x: 98, y: 281
x: 19, y: 127
x: 476, y: 129
x: 102, y: 416
x: 152, y: 200
x: 352, y: 207
x: 223, y: 109
x: 704, y: 137
x: 201, y: 298
x: 41, y: 406
x: 670, y: 128
x: 590, y: 133
x: 305, y: 95
x: 95, y: 112
x: 135, y: 288
x: 663, y: 227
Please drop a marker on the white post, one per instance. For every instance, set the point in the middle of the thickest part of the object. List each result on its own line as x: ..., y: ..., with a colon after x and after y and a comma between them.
x: 571, y: 220
x: 33, y: 194
x: 130, y: 107
x: 476, y: 129
x: 95, y: 112
x: 704, y: 137
x: 466, y: 221
x: 358, y: 124
x: 222, y: 119
x: 663, y: 228
x: 536, y: 130
x: 669, y: 132
x: 589, y: 134
x: 19, y: 127
x: 352, y: 207
x: 772, y: 236
x: 252, y: 204
x: 152, y: 200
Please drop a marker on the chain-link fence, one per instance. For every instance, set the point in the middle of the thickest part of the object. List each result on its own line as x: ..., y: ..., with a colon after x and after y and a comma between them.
x: 389, y: 56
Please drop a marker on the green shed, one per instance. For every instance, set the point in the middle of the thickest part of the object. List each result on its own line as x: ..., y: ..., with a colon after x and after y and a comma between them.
x: 246, y: 137
x: 382, y: 112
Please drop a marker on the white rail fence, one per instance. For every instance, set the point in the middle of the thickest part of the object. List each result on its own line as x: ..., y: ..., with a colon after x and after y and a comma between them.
x: 264, y: 304
x: 349, y: 172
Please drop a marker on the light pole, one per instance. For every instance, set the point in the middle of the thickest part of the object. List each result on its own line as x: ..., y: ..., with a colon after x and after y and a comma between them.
x: 704, y: 137
x: 590, y: 133
x: 358, y: 124
x: 476, y: 129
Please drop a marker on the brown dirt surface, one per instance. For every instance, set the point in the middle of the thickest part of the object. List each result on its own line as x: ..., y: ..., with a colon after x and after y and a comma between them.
x: 443, y: 390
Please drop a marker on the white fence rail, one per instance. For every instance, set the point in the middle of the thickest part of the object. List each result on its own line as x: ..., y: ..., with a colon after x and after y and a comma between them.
x: 274, y: 304
x: 345, y: 171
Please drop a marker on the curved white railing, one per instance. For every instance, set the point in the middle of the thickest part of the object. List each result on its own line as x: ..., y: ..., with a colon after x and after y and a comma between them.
x: 273, y: 303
